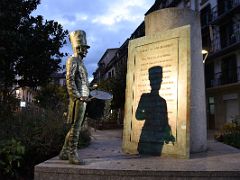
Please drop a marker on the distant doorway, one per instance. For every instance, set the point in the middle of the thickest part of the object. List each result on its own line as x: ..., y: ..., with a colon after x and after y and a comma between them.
x: 211, y: 113
x: 232, y: 109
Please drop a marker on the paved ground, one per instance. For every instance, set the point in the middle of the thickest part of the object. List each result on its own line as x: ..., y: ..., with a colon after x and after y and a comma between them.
x: 105, y: 153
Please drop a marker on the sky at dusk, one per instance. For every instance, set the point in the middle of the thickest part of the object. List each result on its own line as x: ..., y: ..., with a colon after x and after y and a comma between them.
x: 108, y: 23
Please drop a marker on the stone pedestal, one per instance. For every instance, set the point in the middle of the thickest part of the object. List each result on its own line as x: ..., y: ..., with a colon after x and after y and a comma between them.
x: 105, y: 161
x: 173, y: 44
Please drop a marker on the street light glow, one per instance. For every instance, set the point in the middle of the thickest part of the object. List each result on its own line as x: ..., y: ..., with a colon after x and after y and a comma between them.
x: 204, y: 51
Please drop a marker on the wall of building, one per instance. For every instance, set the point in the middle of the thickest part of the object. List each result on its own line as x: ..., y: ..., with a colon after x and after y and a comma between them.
x: 225, y: 44
x: 226, y: 104
x: 108, y: 56
x: 104, y: 70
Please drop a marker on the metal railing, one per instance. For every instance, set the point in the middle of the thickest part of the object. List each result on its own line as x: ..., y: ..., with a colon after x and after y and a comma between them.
x: 206, y: 19
x: 227, y: 6
x: 222, y: 78
x: 221, y: 41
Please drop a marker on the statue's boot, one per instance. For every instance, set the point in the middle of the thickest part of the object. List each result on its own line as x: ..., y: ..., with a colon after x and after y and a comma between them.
x: 63, y: 155
x: 73, y: 155
x: 74, y: 158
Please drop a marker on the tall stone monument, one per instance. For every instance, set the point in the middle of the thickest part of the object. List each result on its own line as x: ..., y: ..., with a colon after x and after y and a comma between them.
x: 165, y: 94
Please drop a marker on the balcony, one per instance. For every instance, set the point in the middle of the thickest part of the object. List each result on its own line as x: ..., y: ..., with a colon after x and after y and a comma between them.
x: 206, y: 16
x: 224, y: 9
x: 226, y: 39
x: 223, y: 78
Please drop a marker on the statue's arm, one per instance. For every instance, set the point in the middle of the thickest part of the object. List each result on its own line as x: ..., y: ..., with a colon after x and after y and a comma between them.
x: 141, y: 113
x: 71, y: 68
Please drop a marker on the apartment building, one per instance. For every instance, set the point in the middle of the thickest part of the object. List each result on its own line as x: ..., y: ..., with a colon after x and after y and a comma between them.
x: 220, y: 21
x: 105, y: 70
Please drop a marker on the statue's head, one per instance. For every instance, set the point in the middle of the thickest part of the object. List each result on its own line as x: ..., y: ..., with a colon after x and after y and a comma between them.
x: 155, y: 77
x: 79, y: 42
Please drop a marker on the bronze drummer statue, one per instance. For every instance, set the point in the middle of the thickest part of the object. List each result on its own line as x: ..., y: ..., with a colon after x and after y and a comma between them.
x: 78, y: 90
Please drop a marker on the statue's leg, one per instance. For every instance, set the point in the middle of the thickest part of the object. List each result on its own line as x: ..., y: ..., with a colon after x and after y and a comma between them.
x: 63, y: 155
x: 75, y: 131
x: 65, y: 149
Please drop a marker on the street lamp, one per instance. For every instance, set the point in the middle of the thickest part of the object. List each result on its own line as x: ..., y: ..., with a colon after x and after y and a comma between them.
x: 205, y: 53
x: 18, y: 93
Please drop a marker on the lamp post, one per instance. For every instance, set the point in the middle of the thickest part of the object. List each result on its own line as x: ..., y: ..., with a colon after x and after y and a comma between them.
x: 205, y: 53
x: 18, y: 93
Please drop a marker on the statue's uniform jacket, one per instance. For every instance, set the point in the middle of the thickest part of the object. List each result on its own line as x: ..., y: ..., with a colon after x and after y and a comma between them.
x: 77, y: 84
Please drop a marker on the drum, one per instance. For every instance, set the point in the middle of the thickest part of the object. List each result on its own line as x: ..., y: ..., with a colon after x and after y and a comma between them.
x: 103, y: 95
x: 95, y: 108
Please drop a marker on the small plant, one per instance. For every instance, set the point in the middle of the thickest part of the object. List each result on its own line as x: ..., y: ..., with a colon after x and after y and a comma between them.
x: 230, y: 133
x: 11, y: 156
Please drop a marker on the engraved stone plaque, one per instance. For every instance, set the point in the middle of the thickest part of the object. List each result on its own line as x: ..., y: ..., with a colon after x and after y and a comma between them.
x: 161, y: 53
x: 157, y: 94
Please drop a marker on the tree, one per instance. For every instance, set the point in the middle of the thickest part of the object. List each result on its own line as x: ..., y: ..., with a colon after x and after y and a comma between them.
x: 29, y: 46
x: 52, y: 97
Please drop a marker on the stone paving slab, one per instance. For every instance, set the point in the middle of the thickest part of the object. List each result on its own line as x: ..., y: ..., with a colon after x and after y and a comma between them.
x: 105, y: 160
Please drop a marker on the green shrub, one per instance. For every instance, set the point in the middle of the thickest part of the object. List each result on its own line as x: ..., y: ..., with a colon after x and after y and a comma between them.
x: 11, y: 156
x: 40, y: 131
x: 230, y: 133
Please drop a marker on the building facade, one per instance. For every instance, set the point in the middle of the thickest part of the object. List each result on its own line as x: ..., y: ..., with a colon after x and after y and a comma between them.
x: 220, y: 21
x: 59, y: 78
x: 105, y: 70
x: 27, y: 95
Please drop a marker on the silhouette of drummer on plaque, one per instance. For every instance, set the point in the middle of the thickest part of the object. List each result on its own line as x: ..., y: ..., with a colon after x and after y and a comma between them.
x: 153, y: 109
